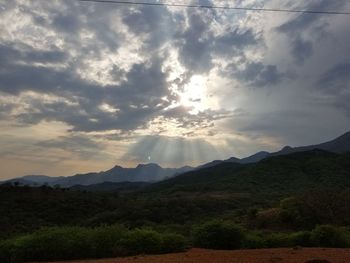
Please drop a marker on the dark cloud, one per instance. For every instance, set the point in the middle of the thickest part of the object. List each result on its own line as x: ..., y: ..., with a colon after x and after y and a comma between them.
x: 304, y: 21
x: 335, y: 84
x: 26, y: 54
x: 158, y: 24
x: 201, y: 120
x: 336, y: 79
x: 80, y: 145
x: 300, y: 28
x: 67, y: 22
x: 137, y: 100
x: 195, y: 43
x: 301, y: 49
x: 233, y: 41
x: 256, y: 74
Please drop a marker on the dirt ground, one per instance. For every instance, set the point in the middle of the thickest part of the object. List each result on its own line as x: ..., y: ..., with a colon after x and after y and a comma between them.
x: 284, y: 255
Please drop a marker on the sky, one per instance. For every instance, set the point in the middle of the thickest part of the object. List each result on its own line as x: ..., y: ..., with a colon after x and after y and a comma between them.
x: 85, y: 86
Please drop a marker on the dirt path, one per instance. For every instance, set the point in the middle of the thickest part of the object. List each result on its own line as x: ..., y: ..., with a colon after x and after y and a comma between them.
x: 285, y: 255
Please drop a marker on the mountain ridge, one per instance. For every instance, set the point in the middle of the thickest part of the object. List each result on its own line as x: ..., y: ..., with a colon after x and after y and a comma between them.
x: 152, y: 172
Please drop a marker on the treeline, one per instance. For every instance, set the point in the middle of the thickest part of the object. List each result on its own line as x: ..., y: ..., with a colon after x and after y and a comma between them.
x: 25, y: 209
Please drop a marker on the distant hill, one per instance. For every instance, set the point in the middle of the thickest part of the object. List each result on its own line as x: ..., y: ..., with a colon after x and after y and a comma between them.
x: 282, y: 175
x: 338, y: 145
x: 142, y: 173
x: 42, y: 179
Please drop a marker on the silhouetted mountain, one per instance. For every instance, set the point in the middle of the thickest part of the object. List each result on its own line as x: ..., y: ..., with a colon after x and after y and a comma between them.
x: 142, y: 173
x: 21, y: 181
x: 255, y: 157
x: 41, y: 179
x: 153, y: 172
x: 338, y: 145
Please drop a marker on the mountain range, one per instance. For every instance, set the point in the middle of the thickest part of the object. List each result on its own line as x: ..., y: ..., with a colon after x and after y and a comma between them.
x: 153, y: 172
x: 339, y: 145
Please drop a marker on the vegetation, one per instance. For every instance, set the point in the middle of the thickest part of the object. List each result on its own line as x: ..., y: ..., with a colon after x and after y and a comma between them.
x: 218, y: 235
x: 61, y: 243
x: 301, y: 199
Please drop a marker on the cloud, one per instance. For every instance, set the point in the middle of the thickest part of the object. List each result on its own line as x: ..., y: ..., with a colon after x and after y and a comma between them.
x: 195, y: 43
x: 79, y: 145
x: 335, y: 85
x: 302, y: 26
x: 256, y: 74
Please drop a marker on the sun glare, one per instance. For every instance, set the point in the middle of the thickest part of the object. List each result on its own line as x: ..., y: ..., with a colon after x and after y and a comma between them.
x: 193, y: 95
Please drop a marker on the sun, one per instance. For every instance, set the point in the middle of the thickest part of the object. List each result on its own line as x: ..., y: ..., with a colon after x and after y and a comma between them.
x: 194, y: 94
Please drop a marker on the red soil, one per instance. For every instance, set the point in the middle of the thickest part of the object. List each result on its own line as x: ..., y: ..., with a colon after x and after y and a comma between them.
x: 283, y: 255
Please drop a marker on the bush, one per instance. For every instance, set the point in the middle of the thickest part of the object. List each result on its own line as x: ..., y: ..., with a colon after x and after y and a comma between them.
x: 67, y: 243
x: 103, y: 240
x: 52, y: 244
x: 218, y: 235
x: 253, y: 240
x: 147, y: 241
x: 302, y: 238
x: 173, y: 243
x: 278, y: 240
x: 141, y: 241
x: 328, y: 236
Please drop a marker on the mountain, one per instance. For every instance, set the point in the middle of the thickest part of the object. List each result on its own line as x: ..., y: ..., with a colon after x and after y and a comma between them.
x: 338, y: 145
x: 277, y: 175
x: 41, y: 179
x: 21, y: 181
x: 255, y: 157
x: 142, y: 173
x: 153, y: 172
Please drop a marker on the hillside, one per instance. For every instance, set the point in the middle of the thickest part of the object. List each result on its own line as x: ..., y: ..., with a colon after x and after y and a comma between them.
x: 339, y: 145
x: 283, y: 175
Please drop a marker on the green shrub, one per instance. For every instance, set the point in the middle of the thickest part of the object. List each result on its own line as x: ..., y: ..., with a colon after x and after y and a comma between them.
x: 140, y: 241
x: 218, y: 235
x: 328, y: 236
x: 301, y: 238
x: 67, y: 243
x: 52, y: 244
x: 278, y: 240
x: 173, y: 243
x: 253, y: 240
x: 103, y: 240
